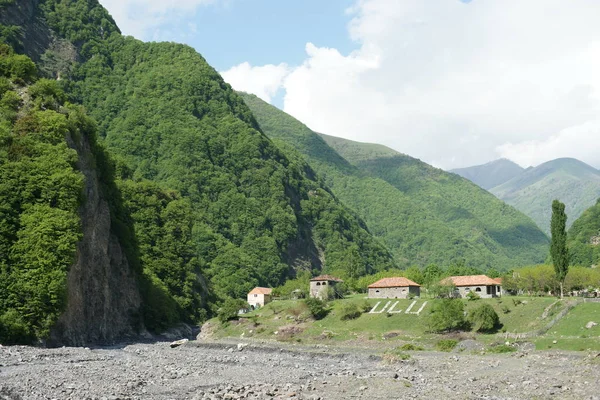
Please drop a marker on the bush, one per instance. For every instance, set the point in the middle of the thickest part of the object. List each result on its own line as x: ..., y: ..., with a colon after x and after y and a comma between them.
x: 13, y: 330
x: 447, y: 315
x: 471, y: 296
x: 484, y: 319
x: 502, y: 348
x: 350, y: 311
x: 505, y: 309
x: 230, y: 308
x: 316, y: 307
x: 446, y: 344
x: 410, y: 347
x: 47, y: 94
x: 365, y: 306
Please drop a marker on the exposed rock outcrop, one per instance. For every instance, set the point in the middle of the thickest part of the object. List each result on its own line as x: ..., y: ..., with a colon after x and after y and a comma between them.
x: 36, y: 36
x: 103, y: 292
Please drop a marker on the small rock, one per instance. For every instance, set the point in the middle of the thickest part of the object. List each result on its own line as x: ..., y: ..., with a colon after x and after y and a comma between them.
x: 591, y: 324
x: 178, y: 343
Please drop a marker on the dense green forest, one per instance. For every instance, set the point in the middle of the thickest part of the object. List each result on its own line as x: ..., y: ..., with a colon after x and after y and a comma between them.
x: 205, y: 204
x: 423, y: 214
x: 584, y: 238
x: 40, y: 192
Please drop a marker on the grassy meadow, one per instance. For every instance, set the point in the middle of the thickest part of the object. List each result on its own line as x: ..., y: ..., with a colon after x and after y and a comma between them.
x: 289, y: 321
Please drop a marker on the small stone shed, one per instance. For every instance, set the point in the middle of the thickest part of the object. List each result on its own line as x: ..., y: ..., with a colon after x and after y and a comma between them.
x: 259, y: 296
x: 319, y: 285
x: 394, y: 288
x: 482, y: 285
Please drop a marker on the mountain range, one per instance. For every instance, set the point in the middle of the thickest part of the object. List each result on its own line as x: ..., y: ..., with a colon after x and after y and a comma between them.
x: 423, y: 214
x: 532, y: 190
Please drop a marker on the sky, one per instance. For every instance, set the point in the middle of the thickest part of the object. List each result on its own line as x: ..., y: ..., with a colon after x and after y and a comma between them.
x: 454, y: 83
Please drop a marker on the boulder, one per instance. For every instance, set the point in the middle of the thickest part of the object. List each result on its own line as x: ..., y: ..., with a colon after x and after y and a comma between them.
x: 178, y: 343
x: 591, y: 324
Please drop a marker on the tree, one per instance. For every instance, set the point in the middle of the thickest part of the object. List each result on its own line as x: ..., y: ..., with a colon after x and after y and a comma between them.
x: 558, y: 245
x: 447, y: 315
x: 484, y: 319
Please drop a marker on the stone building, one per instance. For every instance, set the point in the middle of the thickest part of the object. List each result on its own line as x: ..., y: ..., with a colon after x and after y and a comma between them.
x: 259, y: 296
x: 319, y: 286
x: 394, y: 288
x: 482, y: 285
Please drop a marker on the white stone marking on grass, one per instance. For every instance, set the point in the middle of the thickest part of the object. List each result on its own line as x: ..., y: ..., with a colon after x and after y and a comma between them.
x: 421, y: 309
x: 411, y: 306
x: 382, y: 310
x: 392, y: 308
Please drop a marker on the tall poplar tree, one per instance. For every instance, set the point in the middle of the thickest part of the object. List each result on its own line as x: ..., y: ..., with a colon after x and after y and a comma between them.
x: 558, y: 245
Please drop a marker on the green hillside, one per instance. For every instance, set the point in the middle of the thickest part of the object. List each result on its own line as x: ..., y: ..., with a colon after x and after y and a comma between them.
x: 491, y: 174
x: 211, y: 206
x: 571, y: 181
x: 584, y: 237
x: 423, y: 214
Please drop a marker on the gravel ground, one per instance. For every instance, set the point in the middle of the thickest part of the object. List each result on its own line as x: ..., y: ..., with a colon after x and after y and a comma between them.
x: 198, y: 370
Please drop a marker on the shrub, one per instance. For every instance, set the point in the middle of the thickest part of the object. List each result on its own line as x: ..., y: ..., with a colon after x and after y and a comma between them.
x: 13, y: 329
x: 446, y: 344
x: 316, y: 307
x: 396, y: 355
x: 230, y: 308
x: 365, y: 306
x: 350, y: 311
x: 47, y: 94
x: 471, y: 296
x: 502, y: 348
x: 447, y: 315
x: 484, y: 319
x: 505, y: 309
x: 410, y: 347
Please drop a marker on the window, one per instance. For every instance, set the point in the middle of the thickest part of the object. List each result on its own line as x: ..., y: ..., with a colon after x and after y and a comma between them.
x: 255, y: 295
x: 324, y: 283
x: 478, y: 289
x: 404, y: 290
x: 318, y: 283
x: 377, y: 291
x: 489, y: 289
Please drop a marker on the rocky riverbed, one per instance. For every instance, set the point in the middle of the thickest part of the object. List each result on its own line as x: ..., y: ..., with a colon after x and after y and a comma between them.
x: 198, y: 370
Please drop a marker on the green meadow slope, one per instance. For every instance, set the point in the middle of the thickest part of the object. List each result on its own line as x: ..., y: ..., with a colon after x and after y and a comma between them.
x: 423, y: 214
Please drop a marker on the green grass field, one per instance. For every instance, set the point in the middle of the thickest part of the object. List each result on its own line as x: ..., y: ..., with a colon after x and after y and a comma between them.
x: 288, y: 320
x: 570, y: 333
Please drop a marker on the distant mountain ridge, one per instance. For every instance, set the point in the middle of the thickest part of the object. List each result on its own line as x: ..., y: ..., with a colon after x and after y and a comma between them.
x: 490, y: 174
x: 569, y: 180
x: 423, y: 214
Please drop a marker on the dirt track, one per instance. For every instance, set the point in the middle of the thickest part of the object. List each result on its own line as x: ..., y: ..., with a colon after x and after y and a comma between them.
x: 220, y: 371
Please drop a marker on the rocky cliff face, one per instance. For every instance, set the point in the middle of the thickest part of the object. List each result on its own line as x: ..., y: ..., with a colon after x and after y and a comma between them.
x: 36, y: 36
x: 103, y: 292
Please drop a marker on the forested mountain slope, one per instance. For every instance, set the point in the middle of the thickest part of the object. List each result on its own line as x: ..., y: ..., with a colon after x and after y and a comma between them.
x: 423, y: 214
x: 490, y: 174
x: 569, y: 180
x: 584, y: 237
x: 202, y: 201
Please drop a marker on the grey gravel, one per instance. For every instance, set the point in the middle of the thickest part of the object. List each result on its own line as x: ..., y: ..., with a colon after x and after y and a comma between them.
x: 197, y: 370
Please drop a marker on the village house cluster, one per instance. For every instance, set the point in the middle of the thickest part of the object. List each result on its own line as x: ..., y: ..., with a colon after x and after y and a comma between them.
x: 323, y: 286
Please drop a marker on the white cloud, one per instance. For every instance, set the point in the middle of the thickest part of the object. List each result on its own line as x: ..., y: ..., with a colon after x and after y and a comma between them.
x: 457, y: 84
x: 263, y: 81
x: 144, y: 18
x: 581, y: 141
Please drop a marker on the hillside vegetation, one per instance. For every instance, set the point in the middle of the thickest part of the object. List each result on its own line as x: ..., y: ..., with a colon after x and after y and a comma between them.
x: 423, y: 214
x: 571, y: 181
x: 491, y: 174
x: 209, y: 207
x: 584, y: 238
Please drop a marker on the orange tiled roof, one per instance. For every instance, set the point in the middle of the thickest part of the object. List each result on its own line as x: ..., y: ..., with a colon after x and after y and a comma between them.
x: 326, y: 278
x: 471, y: 280
x: 497, y: 280
x: 393, y: 282
x: 261, y: 290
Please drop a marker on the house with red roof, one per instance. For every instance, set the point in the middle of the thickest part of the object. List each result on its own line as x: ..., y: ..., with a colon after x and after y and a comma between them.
x: 482, y: 285
x: 259, y: 296
x: 394, y: 288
